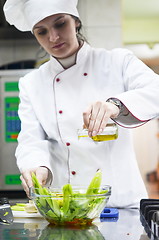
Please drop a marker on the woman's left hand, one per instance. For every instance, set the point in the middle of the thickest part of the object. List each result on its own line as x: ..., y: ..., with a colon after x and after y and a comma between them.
x: 97, y: 115
x: 41, y: 173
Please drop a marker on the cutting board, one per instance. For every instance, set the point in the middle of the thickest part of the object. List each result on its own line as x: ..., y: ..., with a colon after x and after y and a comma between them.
x: 23, y: 214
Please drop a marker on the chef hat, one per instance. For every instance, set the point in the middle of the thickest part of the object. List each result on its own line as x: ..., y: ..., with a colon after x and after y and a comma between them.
x: 24, y: 14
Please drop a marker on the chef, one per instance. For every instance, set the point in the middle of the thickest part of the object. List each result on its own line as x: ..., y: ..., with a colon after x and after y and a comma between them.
x: 80, y: 85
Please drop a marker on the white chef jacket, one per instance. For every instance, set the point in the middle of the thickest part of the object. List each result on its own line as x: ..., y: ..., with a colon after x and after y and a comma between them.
x: 52, y: 100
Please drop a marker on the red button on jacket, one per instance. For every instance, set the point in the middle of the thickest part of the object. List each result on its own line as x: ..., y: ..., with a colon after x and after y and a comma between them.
x: 73, y: 173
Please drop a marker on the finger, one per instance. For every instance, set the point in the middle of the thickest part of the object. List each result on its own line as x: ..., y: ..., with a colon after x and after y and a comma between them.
x: 98, y: 121
x: 24, y: 185
x: 93, y: 116
x: 42, y: 175
x: 99, y: 112
x: 86, y: 116
x: 104, y: 122
x: 27, y: 177
x: 110, y: 111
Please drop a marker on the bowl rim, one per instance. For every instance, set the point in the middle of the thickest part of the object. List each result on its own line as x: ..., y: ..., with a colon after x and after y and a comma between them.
x: 75, y: 188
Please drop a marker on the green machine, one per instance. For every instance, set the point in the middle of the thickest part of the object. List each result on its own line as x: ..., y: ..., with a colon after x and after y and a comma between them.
x: 9, y: 129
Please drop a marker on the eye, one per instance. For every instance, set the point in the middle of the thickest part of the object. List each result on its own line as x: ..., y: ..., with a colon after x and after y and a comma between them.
x: 42, y: 32
x: 59, y: 24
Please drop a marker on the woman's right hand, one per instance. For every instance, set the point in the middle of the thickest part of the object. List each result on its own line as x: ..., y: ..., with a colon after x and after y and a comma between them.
x: 41, y: 173
x: 97, y: 115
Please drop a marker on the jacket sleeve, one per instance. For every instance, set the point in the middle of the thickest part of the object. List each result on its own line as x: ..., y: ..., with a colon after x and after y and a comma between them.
x: 33, y: 148
x: 141, y: 96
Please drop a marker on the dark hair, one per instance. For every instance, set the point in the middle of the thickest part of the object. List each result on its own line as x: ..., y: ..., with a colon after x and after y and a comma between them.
x: 80, y: 36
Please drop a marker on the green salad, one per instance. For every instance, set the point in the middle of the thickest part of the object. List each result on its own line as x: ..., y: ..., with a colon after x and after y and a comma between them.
x: 71, y: 206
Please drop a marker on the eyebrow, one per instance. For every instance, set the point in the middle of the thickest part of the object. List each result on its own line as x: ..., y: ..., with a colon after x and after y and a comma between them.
x: 58, y: 18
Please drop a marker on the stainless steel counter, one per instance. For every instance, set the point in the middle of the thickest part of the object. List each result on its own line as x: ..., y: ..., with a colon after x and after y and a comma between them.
x: 127, y: 226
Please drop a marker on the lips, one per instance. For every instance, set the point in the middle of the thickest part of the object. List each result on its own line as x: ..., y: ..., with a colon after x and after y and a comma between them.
x: 57, y: 46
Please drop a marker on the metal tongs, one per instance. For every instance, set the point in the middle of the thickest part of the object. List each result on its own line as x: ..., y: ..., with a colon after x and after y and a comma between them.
x: 31, y: 193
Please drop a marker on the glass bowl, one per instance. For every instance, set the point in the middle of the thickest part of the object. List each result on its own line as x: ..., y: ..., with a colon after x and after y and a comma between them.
x: 71, y: 232
x: 77, y: 208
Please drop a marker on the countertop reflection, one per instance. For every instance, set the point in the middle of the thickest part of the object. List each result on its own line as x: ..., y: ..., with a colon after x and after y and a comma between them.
x: 127, y: 226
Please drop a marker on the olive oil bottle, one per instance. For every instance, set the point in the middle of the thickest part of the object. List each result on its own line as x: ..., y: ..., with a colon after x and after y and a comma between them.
x: 109, y: 133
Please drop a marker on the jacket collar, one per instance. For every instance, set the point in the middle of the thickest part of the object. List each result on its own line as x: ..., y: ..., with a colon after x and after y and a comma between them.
x: 56, y: 67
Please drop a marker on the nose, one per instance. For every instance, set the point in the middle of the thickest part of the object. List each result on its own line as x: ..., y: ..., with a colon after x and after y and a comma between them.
x: 53, y: 35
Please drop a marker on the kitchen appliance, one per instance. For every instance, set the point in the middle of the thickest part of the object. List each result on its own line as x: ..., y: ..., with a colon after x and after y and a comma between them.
x: 149, y: 216
x: 9, y: 129
x: 6, y: 215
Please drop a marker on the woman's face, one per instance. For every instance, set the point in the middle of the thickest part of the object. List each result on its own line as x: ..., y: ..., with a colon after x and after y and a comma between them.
x: 57, y: 35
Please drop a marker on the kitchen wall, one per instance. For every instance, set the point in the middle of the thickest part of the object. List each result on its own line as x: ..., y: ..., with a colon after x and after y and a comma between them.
x: 102, y: 28
x: 146, y: 144
x: 102, y: 22
x: 17, y: 50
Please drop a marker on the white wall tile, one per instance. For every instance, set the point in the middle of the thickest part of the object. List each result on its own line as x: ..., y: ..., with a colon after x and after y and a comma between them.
x: 101, y: 12
x: 82, y: 10
x: 106, y: 37
x: 101, y: 22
